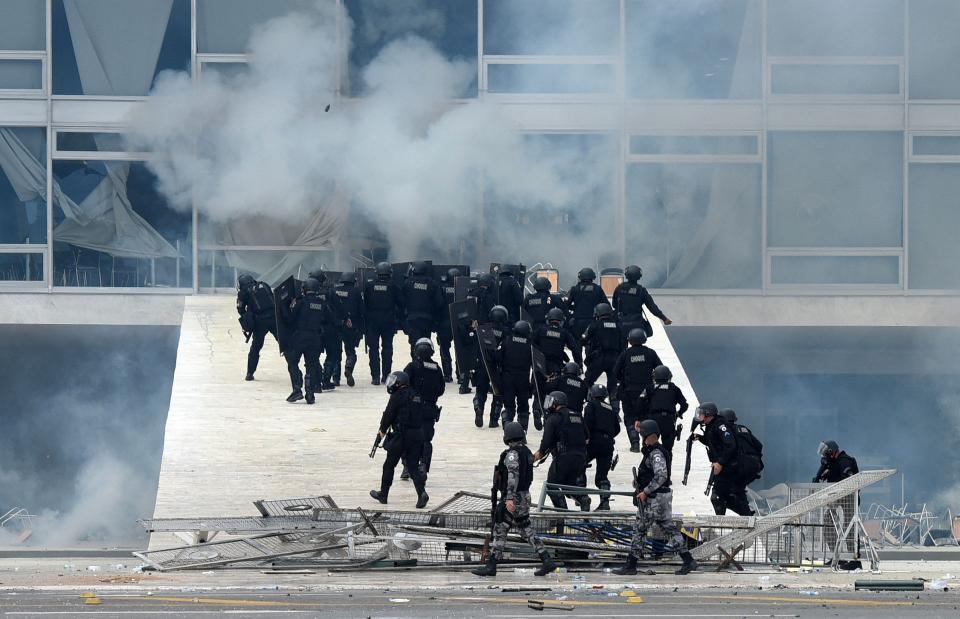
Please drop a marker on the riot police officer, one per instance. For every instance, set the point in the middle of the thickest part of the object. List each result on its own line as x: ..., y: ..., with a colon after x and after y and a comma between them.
x: 539, y: 302
x: 513, y: 477
x: 565, y: 438
x: 729, y: 489
x: 332, y: 335
x: 582, y: 299
x: 603, y: 340
x: 654, y: 503
x: 382, y: 307
x: 487, y: 369
x: 664, y: 403
x: 603, y: 425
x: 444, y: 326
x: 835, y: 464
x: 422, y: 301
x: 257, y: 316
x: 553, y: 340
x: 515, y: 360
x: 630, y: 298
x: 426, y: 379
x: 309, y: 316
x: 509, y: 294
x: 572, y: 386
x: 402, y: 417
x: 351, y: 303
x: 634, y: 371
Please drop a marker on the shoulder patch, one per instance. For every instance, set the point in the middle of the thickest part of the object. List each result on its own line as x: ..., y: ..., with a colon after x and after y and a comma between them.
x: 512, y: 456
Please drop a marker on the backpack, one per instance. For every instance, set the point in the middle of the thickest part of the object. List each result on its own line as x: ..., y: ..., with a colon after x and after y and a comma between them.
x: 749, y: 453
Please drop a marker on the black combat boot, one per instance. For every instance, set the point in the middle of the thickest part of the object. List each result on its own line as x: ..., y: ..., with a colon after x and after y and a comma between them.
x: 689, y: 564
x: 584, y: 503
x: 465, y: 384
x: 375, y: 379
x: 380, y: 495
x: 477, y: 413
x: 405, y: 474
x: 348, y: 374
x: 537, y: 419
x: 295, y: 395
x: 547, y: 566
x: 311, y: 399
x: 422, y: 498
x: 635, y: 448
x: 604, y: 505
x: 628, y: 569
x: 488, y: 569
x: 248, y: 377
x: 493, y: 421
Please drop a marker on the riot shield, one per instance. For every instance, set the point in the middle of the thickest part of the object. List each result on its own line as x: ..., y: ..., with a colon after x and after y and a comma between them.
x: 283, y: 295
x: 539, y: 367
x: 462, y: 316
x: 440, y: 271
x: 489, y: 343
x: 364, y: 275
x: 463, y: 286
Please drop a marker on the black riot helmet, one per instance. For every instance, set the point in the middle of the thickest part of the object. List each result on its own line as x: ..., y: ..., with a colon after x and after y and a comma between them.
x: 498, y: 313
x: 598, y: 392
x: 311, y: 285
x: 828, y: 449
x: 555, y: 316
x: 348, y: 277
x: 729, y: 415
x: 423, y: 349
x: 633, y: 273
x: 602, y: 310
x: 706, y: 409
x: 571, y: 368
x: 452, y: 275
x: 384, y: 270
x: 648, y: 427
x: 637, y: 337
x: 486, y: 280
x: 555, y: 400
x: 586, y: 274
x: 245, y: 281
x: 419, y: 267
x: 542, y: 284
x: 397, y: 380
x: 662, y: 374
x: 318, y: 275
x: 513, y: 432
x: 522, y: 328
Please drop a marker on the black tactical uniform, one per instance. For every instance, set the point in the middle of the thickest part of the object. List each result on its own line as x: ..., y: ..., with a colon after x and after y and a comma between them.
x: 581, y: 301
x: 332, y: 335
x: 634, y: 371
x: 663, y: 402
x: 426, y: 379
x: 309, y: 317
x: 403, y: 418
x: 603, y: 425
x: 509, y: 295
x: 486, y: 298
x: 351, y: 303
x: 422, y: 300
x: 630, y: 298
x: 835, y: 465
x: 382, y: 307
x: 572, y: 386
x: 444, y: 327
x: 729, y: 490
x: 481, y: 379
x: 604, y: 343
x: 565, y: 438
x: 255, y: 306
x: 515, y: 360
x: 536, y: 304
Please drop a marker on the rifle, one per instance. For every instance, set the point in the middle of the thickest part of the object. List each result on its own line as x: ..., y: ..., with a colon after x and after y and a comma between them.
x: 686, y: 463
x: 709, y: 484
x: 616, y: 459
x: 636, y: 482
x: 376, y: 445
x: 493, y: 501
x: 541, y: 460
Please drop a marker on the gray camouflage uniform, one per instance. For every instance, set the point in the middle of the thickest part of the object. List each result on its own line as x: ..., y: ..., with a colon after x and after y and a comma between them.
x: 658, y: 508
x: 520, y: 518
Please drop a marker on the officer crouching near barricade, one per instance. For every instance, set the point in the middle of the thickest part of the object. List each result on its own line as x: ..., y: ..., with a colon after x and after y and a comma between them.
x: 309, y: 316
x: 402, y: 418
x: 257, y: 317
x: 835, y: 464
x: 512, y: 479
x: 565, y: 438
x: 654, y: 502
x: 426, y: 379
x: 603, y: 425
x: 729, y: 489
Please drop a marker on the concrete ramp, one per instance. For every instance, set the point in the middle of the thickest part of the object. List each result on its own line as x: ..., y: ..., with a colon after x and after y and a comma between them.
x: 229, y: 442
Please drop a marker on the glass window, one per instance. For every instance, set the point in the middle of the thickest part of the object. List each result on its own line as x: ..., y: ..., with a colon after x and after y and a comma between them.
x: 83, y: 141
x: 936, y: 145
x: 551, y: 78
x: 113, y: 227
x: 220, y: 268
x: 23, y: 25
x: 835, y: 189
x: 834, y: 79
x: 827, y: 270
x: 934, y: 49
x: 549, y: 27
x: 21, y: 267
x: 694, y: 145
x: 224, y: 26
x: 17, y: 74
x: 224, y: 70
x: 695, y: 225
x: 450, y: 25
x: 835, y: 27
x: 23, y: 185
x: 934, y: 221
x: 695, y: 50
x: 109, y: 48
